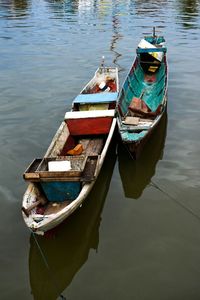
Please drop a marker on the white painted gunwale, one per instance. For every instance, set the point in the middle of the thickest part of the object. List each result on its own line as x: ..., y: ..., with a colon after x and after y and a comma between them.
x: 88, y: 114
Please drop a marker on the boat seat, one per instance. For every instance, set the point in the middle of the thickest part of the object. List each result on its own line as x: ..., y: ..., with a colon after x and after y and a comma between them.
x: 96, y: 98
x: 129, y: 120
x: 89, y: 114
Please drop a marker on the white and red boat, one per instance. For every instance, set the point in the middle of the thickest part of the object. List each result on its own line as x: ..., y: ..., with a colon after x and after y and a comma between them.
x: 61, y: 180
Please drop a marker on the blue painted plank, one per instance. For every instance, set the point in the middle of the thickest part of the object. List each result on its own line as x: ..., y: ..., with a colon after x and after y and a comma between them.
x: 60, y: 191
x: 96, y: 98
x: 155, y: 40
x: 147, y: 50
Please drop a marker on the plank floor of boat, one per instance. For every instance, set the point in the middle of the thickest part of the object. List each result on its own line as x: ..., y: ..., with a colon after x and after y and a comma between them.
x: 92, y: 146
x: 90, y: 168
x: 53, y: 207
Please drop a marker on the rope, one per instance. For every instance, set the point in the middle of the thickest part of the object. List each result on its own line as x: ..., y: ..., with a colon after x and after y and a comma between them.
x: 46, y: 264
x: 129, y: 152
x: 40, y: 250
x: 189, y: 210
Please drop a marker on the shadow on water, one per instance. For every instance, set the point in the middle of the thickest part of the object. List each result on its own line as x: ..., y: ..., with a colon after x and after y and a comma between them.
x: 15, y: 8
x: 67, y: 250
x: 136, y: 175
x: 188, y: 13
x: 149, y: 8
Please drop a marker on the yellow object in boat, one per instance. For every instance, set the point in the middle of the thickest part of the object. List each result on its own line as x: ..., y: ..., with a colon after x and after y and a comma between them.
x: 101, y: 106
x: 152, y: 69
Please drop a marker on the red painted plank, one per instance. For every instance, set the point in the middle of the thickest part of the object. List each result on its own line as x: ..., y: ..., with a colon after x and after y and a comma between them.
x: 89, y: 125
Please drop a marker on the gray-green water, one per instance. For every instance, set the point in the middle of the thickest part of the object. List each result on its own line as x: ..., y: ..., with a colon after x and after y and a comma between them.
x: 129, y: 240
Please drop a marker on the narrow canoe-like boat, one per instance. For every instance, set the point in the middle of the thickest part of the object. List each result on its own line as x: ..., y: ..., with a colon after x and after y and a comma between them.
x: 62, y: 179
x: 143, y: 98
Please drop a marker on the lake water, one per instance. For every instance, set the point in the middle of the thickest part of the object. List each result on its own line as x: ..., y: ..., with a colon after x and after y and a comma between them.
x: 138, y: 234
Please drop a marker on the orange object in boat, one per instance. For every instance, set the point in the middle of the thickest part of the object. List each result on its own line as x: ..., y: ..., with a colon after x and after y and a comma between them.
x: 112, y: 85
x: 150, y: 78
x: 95, y: 89
x: 77, y: 150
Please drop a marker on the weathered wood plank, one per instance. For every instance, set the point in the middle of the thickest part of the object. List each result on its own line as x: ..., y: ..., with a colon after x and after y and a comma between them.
x: 94, y: 146
x: 90, y: 168
x: 30, y: 173
x: 53, y: 208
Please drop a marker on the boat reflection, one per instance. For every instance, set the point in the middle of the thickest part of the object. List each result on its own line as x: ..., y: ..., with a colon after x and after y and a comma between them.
x: 60, y: 7
x: 136, y: 174
x: 68, y: 249
x: 189, y: 13
x: 15, y: 8
x: 116, y: 36
x: 152, y: 7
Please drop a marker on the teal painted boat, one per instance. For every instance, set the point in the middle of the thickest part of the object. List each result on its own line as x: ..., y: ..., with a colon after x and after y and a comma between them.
x: 143, y: 97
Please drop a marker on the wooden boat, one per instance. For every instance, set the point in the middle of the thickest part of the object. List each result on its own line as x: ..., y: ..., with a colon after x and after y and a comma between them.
x: 143, y: 98
x: 62, y: 179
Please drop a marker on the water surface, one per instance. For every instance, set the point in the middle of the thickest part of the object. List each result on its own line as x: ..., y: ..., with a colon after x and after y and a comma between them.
x: 138, y: 234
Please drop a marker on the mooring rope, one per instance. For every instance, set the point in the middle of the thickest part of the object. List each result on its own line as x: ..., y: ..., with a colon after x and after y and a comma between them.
x: 188, y: 209
x: 46, y: 263
x: 127, y: 150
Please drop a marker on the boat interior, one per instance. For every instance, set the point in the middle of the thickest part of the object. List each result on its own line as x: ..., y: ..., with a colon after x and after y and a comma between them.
x: 78, y: 151
x: 57, y: 184
x: 143, y: 92
x: 103, y: 81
